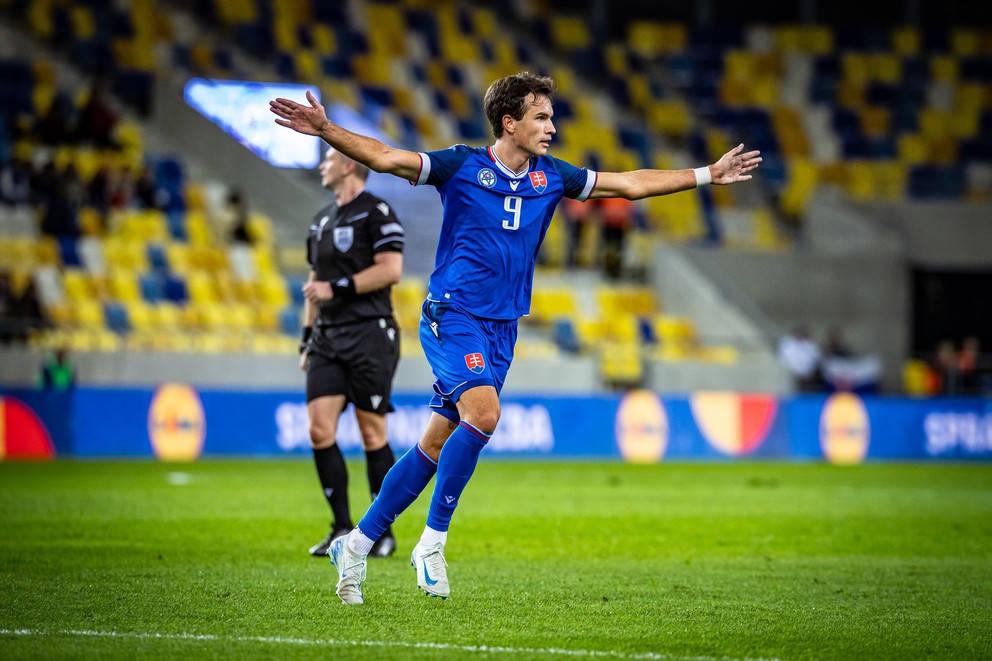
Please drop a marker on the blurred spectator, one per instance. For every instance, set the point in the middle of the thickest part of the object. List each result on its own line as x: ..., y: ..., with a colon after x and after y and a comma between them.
x: 59, y: 212
x: 232, y: 218
x: 145, y: 190
x: 20, y: 311
x: 945, y: 366
x: 578, y: 216
x: 967, y: 362
x: 55, y: 127
x: 97, y: 119
x: 6, y: 302
x: 800, y: 355
x: 15, y: 181
x: 57, y: 371
x: 835, y: 346
x: 618, y: 218
x: 99, y: 189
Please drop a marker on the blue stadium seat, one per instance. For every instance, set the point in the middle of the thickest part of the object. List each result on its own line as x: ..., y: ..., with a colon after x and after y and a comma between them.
x: 116, y: 317
x: 152, y: 287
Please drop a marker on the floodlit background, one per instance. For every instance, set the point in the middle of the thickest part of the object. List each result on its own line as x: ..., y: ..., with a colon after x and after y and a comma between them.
x: 148, y: 229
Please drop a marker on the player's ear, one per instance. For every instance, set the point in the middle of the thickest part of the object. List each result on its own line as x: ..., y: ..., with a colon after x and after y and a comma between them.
x: 509, y: 124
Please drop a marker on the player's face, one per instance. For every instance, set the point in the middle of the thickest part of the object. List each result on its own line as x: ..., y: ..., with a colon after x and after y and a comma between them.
x: 535, y: 128
x: 331, y: 169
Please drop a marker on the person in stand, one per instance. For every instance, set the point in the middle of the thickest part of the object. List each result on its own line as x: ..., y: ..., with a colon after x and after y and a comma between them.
x: 350, y: 345
x: 58, y: 374
x: 497, y: 203
x: 801, y: 356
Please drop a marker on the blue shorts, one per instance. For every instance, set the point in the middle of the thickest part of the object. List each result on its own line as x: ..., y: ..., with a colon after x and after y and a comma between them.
x: 464, y: 351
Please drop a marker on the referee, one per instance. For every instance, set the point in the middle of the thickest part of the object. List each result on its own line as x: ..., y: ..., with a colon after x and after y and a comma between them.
x: 351, y: 342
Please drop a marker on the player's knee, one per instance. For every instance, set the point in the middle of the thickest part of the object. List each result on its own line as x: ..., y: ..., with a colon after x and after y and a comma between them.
x: 321, y: 434
x: 484, y: 419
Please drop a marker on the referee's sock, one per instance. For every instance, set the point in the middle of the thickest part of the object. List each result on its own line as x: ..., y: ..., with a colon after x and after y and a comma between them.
x: 457, y: 462
x: 377, y: 464
x: 333, y: 475
x: 401, y: 486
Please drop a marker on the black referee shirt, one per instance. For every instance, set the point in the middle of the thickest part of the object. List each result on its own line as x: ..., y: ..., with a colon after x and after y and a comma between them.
x: 345, y: 240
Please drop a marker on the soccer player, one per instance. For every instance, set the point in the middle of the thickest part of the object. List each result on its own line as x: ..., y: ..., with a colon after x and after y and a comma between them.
x: 350, y: 345
x: 497, y: 203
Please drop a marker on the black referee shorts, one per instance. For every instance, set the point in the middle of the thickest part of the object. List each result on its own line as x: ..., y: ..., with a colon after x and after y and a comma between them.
x: 356, y: 360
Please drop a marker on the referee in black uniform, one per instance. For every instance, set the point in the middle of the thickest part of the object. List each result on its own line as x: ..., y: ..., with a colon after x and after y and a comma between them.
x: 351, y: 343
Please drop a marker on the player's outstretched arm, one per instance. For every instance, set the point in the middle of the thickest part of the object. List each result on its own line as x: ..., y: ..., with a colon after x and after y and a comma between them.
x: 732, y: 167
x: 312, y: 120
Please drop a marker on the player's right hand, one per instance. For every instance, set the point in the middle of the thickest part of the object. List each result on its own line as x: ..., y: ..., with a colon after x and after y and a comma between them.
x: 304, y: 360
x: 302, y: 119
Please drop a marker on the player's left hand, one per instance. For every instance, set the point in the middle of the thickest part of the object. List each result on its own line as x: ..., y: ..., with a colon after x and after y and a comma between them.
x: 307, y: 120
x: 734, y: 166
x: 316, y: 291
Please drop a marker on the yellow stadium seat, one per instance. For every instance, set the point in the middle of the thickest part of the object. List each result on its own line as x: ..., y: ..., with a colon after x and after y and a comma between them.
x: 77, y: 286
x: 551, y: 303
x: 139, y: 314
x: 166, y: 316
x: 200, y: 287
x: 88, y: 314
x: 621, y: 364
x: 570, y: 33
x: 674, y: 331
x: 906, y: 41
x: 124, y: 285
x: 638, y: 301
x: 273, y: 290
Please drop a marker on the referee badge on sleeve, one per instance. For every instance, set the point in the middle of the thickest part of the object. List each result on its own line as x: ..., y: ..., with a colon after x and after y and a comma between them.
x: 344, y: 237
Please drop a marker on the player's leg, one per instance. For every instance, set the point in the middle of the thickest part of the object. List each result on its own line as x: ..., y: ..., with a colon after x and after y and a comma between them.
x: 332, y: 472
x: 479, y: 409
x: 470, y: 357
x: 373, y: 354
x: 404, y: 482
x: 325, y: 400
x: 378, y: 460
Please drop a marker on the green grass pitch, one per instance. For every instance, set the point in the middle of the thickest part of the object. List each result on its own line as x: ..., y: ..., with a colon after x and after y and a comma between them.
x: 135, y: 559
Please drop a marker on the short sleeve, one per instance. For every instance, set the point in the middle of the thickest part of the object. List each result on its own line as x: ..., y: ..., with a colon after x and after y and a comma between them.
x: 437, y: 167
x: 386, y: 232
x: 578, y: 182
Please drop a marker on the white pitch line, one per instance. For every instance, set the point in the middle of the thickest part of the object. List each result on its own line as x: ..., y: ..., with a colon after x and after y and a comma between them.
x: 327, y: 642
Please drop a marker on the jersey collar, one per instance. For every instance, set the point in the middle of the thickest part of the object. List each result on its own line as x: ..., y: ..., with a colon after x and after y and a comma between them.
x: 505, y: 170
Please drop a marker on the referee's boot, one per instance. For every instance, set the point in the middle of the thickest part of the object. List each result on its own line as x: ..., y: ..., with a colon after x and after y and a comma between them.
x: 319, y: 550
x: 385, y: 546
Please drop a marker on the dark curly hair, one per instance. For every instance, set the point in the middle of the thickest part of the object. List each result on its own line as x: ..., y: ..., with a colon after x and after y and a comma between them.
x: 508, y: 96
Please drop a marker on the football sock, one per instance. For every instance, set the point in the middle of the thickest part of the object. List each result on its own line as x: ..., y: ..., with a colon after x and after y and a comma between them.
x: 377, y: 464
x: 431, y: 536
x: 455, y: 466
x: 333, y: 475
x: 401, y: 486
x: 359, y: 542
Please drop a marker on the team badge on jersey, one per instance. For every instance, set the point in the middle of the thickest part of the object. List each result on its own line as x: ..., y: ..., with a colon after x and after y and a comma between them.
x: 475, y: 362
x: 343, y: 238
x: 487, y: 177
x: 538, y: 181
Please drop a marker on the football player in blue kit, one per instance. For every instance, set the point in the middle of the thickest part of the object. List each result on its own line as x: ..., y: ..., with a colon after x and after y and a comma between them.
x: 497, y: 204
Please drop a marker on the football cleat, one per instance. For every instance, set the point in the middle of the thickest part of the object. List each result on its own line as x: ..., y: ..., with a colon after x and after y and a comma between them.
x: 319, y: 550
x: 384, y: 547
x: 432, y: 572
x: 351, y: 571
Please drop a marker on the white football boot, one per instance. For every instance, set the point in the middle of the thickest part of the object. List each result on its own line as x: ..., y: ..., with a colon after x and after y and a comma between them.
x: 432, y: 572
x: 351, y: 571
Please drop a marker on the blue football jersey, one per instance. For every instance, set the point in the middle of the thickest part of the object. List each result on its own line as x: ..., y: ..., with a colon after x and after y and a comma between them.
x: 493, y: 223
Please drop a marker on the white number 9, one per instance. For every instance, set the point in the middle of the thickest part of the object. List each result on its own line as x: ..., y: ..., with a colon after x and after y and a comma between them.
x: 512, y: 204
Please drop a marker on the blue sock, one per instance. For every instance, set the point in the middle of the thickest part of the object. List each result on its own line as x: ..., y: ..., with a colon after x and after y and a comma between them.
x: 455, y: 466
x: 403, y: 483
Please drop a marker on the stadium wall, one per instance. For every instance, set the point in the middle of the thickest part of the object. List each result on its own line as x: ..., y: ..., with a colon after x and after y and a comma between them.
x: 175, y: 422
